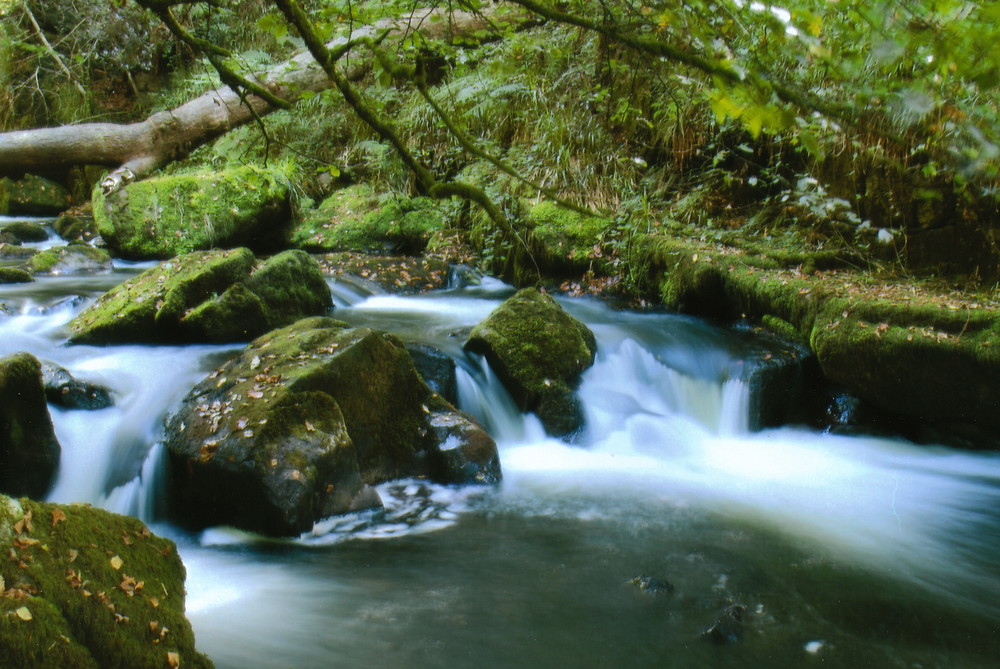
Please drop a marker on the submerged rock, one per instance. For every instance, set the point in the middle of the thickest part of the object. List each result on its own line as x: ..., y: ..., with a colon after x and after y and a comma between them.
x: 539, y: 352
x: 651, y: 585
x: 301, y: 423
x: 208, y: 296
x: 87, y: 588
x: 71, y: 259
x: 728, y: 627
x: 29, y: 452
x: 165, y: 216
x: 63, y: 390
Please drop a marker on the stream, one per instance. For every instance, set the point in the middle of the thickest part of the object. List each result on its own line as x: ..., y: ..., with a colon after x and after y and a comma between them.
x: 845, y: 551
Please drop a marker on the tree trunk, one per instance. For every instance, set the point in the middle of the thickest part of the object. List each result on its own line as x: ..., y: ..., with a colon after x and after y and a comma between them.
x: 134, y: 150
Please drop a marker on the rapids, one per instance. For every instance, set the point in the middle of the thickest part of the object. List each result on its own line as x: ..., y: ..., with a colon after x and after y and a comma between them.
x: 847, y: 551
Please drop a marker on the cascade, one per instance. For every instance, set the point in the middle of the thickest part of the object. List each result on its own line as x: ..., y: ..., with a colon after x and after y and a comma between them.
x: 667, y: 478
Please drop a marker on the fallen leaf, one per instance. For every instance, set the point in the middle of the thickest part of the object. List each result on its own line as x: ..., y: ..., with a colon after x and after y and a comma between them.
x: 73, y: 553
x: 117, y: 562
x: 58, y: 516
x: 23, y: 613
x: 173, y: 659
x: 154, y: 602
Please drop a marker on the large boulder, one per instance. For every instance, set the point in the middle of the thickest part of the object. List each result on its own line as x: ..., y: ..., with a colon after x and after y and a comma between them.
x: 208, y: 296
x: 539, y: 352
x: 82, y: 587
x: 301, y: 423
x: 165, y: 216
x: 29, y: 452
x: 32, y: 196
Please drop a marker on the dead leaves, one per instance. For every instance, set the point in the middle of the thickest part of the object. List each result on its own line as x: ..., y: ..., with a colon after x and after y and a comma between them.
x: 23, y: 525
x: 58, y: 516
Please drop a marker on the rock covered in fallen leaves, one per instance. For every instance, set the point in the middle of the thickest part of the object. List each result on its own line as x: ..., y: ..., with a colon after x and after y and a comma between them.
x: 82, y: 587
x: 303, y: 421
x: 392, y: 274
x: 63, y: 389
x: 539, y: 352
x: 207, y: 296
x: 29, y: 452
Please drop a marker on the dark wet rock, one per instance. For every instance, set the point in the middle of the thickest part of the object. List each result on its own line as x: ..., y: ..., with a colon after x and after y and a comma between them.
x: 539, y: 352
x: 71, y: 259
x: 29, y: 452
x: 32, y: 196
x: 391, y: 274
x: 87, y: 588
x: 14, y: 275
x: 728, y: 627
x: 651, y: 585
x: 21, y: 232
x: 464, y: 276
x: 62, y: 389
x: 169, y: 215
x: 206, y: 296
x: 299, y: 426
x: 436, y: 368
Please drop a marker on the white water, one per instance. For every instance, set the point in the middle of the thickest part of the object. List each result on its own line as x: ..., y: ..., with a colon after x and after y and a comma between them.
x: 666, y: 439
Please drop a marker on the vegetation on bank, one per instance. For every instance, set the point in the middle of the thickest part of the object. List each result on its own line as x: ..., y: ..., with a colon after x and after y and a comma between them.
x: 819, y: 167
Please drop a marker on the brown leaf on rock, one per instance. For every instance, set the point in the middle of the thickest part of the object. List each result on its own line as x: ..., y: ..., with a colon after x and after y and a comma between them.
x: 58, y: 516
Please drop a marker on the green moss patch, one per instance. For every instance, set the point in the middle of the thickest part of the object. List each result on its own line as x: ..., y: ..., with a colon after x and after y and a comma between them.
x: 356, y: 218
x: 165, y: 216
x: 86, y: 588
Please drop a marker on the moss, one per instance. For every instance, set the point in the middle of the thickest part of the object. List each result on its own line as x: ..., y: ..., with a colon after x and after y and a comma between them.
x: 29, y: 452
x: 227, y: 317
x: 14, y: 275
x: 539, y: 351
x: 355, y: 218
x: 165, y: 216
x: 566, y: 241
x: 150, y: 306
x: 918, y: 359
x: 25, y: 232
x: 32, y: 196
x: 70, y: 259
x: 100, y: 588
x: 290, y: 286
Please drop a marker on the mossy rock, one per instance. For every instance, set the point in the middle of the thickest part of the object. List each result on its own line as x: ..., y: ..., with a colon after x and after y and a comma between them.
x: 32, y: 196
x: 539, y: 352
x: 20, y: 232
x: 14, y: 275
x: 62, y: 389
x: 77, y: 224
x: 926, y: 361
x: 16, y: 253
x: 206, y: 296
x: 566, y: 242
x: 308, y: 416
x: 29, y: 452
x: 89, y: 588
x: 71, y: 259
x: 164, y: 216
x: 355, y: 218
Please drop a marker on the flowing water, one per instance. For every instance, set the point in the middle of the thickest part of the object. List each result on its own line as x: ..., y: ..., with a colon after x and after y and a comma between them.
x: 846, y: 552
